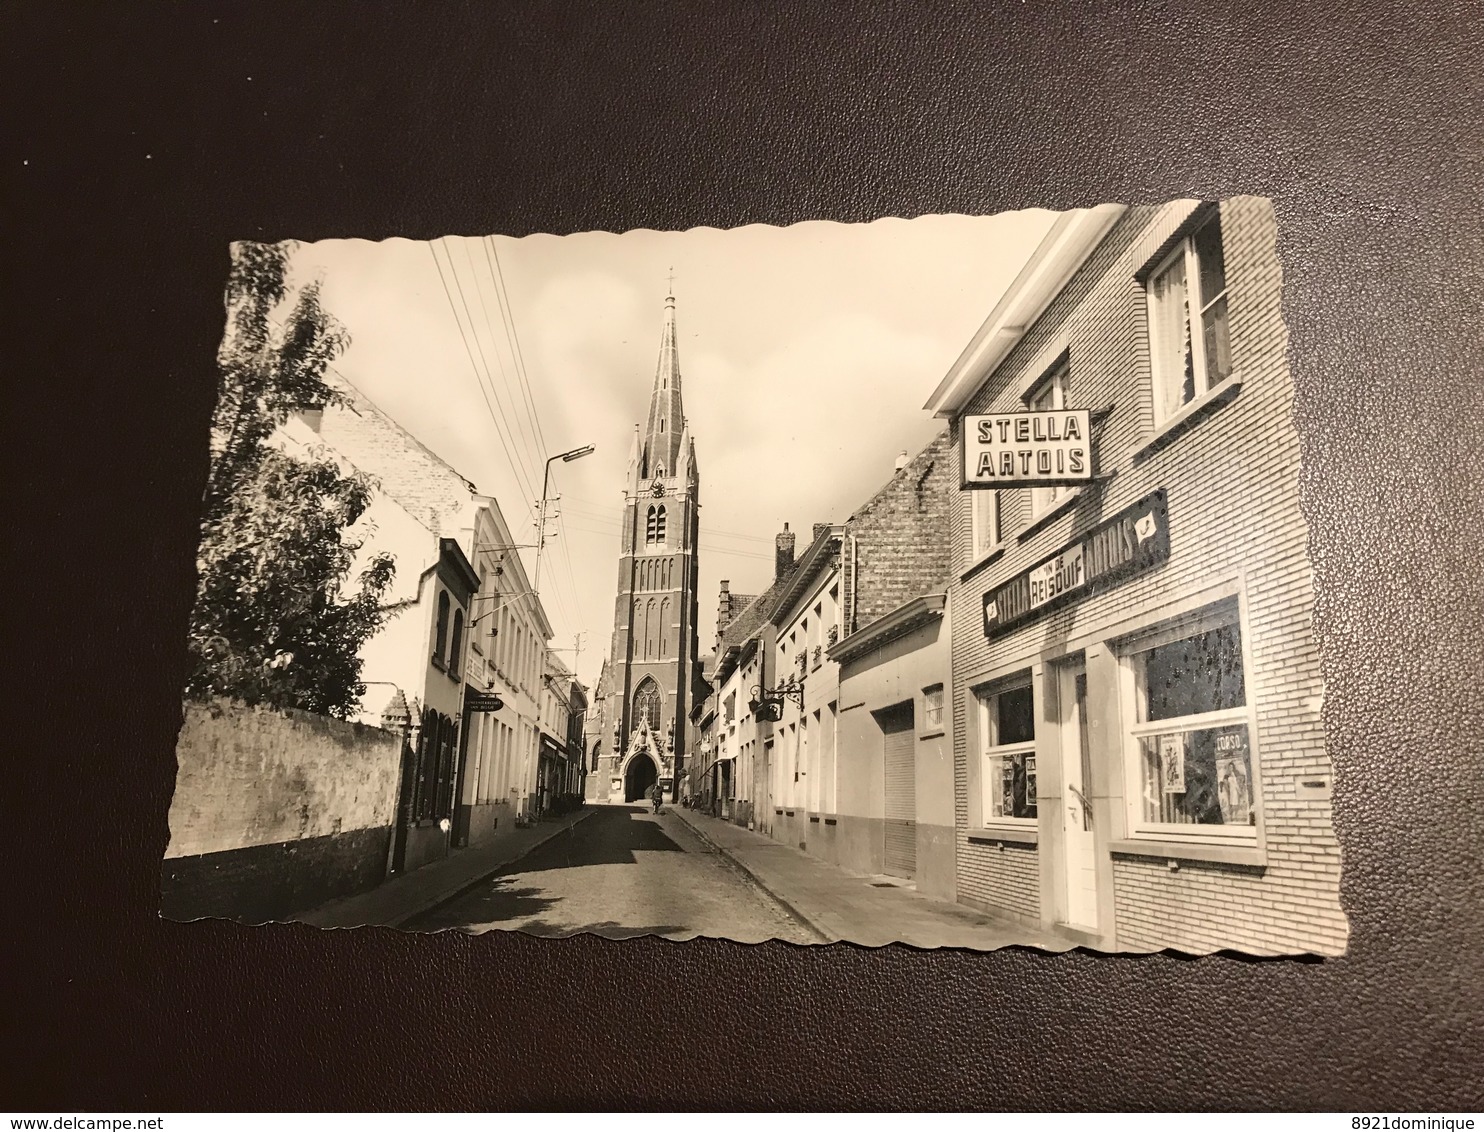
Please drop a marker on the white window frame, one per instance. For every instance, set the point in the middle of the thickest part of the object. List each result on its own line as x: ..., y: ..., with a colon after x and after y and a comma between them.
x: 1139, y: 828
x: 990, y: 750
x: 980, y: 546
x: 1194, y: 323
x: 929, y: 724
x: 1057, y: 382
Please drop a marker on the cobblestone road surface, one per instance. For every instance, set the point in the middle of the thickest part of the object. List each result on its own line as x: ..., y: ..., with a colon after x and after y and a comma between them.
x: 622, y: 872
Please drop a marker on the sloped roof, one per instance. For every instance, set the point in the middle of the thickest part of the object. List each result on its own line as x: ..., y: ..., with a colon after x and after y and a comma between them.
x: 750, y: 619
x: 430, y: 488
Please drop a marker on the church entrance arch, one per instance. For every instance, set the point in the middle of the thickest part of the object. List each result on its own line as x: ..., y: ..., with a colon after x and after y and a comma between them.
x: 639, y: 777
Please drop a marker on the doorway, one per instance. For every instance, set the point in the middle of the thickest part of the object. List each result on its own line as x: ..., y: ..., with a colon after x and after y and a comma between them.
x: 899, y: 763
x: 640, y: 778
x: 1079, y: 850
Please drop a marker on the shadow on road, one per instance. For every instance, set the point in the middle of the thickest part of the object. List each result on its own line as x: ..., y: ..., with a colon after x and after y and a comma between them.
x: 608, y: 928
x: 610, y: 837
x: 495, y: 901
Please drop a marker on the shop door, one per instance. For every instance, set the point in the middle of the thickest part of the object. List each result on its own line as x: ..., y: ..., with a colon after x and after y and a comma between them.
x: 900, y: 766
x: 1078, y: 849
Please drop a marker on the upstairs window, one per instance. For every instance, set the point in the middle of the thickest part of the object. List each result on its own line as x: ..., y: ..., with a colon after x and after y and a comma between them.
x: 1189, y: 346
x: 456, y: 644
x: 440, y: 629
x: 984, y: 516
x: 1049, y: 395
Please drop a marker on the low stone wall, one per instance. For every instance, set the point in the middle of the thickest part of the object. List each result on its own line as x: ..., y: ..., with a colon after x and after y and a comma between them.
x: 275, y: 812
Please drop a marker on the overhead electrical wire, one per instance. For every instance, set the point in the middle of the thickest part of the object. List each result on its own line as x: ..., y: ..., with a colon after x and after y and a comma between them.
x: 512, y: 428
x: 492, y: 253
x: 526, y: 430
x: 506, y: 446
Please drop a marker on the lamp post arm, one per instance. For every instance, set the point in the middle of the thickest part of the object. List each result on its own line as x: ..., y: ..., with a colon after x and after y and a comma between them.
x: 541, y: 522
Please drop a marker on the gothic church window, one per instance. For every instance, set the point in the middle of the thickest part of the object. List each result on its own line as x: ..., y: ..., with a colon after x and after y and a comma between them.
x: 650, y: 524
x: 659, y: 524
x: 647, y: 704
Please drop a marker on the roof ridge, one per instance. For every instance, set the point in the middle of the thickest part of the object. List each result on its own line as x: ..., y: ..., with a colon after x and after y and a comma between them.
x: 359, y: 394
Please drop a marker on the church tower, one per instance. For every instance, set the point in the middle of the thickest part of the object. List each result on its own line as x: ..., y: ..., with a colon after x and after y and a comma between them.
x: 654, y: 667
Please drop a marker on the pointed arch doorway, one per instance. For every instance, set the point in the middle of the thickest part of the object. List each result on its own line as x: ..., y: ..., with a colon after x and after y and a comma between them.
x: 639, y: 778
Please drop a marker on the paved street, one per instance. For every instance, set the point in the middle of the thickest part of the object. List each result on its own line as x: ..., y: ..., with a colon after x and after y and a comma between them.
x: 622, y: 872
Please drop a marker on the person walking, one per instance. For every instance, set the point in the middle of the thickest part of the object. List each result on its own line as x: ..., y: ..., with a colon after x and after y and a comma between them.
x: 657, y: 796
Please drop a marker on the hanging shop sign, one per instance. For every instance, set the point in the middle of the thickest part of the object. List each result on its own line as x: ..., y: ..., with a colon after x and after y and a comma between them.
x: 482, y: 701
x: 1135, y: 539
x: 1041, y: 449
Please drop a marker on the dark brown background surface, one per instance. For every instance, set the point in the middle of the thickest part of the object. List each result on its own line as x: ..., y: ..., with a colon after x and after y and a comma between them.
x: 137, y: 144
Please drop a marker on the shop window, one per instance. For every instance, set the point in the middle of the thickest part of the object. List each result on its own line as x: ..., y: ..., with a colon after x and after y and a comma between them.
x: 1050, y: 394
x: 440, y: 629
x: 984, y: 523
x: 932, y: 708
x: 1007, y: 729
x: 1189, y: 344
x: 1190, y: 741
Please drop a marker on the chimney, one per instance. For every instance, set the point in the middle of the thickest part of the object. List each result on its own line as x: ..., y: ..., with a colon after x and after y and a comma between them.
x: 902, y: 461
x: 723, y: 609
x: 819, y: 529
x: 783, y: 552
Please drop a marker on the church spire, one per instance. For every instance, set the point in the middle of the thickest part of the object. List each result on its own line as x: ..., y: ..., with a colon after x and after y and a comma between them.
x: 666, y: 423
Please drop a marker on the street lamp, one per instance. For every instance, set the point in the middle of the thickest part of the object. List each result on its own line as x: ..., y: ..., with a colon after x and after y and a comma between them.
x: 566, y: 458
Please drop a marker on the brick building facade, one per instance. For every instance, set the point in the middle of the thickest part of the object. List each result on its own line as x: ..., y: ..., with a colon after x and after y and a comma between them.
x: 894, y: 786
x: 1136, y: 695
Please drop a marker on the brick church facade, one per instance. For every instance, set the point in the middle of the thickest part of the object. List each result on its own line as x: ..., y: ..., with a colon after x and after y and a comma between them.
x: 653, y: 670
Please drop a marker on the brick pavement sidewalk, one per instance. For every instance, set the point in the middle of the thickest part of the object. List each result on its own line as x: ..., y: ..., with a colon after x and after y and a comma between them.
x: 843, y: 906
x: 401, y: 899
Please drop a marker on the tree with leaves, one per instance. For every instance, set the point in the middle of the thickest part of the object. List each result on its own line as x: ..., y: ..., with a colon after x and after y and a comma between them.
x: 275, y: 621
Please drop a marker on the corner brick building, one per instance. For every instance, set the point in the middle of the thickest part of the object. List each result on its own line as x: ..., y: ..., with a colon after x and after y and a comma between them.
x: 1138, y: 746
x: 654, y: 667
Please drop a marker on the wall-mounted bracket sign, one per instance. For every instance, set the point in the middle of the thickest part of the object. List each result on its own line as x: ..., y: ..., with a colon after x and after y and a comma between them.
x: 1133, y: 540
x: 1041, y: 449
x: 482, y: 701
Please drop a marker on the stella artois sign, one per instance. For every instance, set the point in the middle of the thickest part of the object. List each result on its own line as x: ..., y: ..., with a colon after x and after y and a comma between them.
x: 1041, y: 449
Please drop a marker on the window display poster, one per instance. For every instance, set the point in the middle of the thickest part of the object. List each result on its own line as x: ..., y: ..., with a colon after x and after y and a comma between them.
x: 1234, y: 777
x: 1030, y: 781
x: 1007, y: 788
x: 1172, y: 763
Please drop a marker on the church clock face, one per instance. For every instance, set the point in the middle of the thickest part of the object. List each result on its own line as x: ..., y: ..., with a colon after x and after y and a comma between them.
x: 657, y: 488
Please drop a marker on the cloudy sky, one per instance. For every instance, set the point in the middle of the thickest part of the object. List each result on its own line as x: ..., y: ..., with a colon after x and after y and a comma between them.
x: 806, y: 354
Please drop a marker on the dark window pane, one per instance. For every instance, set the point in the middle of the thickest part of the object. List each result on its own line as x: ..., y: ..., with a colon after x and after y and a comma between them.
x: 1017, y: 720
x: 1199, y: 674
x: 1218, y: 343
x: 1212, y: 263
